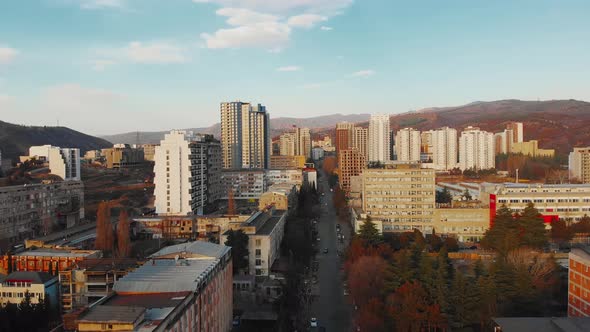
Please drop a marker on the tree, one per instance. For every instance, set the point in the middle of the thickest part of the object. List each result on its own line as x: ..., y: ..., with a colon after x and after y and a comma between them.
x: 123, y: 241
x: 444, y: 196
x: 532, y: 227
x: 231, y: 203
x: 104, y: 228
x: 504, y: 235
x: 467, y: 195
x: 560, y: 233
x: 366, y: 278
x: 238, y: 241
x: 408, y: 307
x: 369, y: 233
x: 329, y: 165
x: 582, y: 226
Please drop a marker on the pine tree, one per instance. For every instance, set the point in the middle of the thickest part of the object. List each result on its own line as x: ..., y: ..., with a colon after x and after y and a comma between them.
x: 504, y: 234
x: 532, y: 227
x: 369, y: 233
x: 123, y: 242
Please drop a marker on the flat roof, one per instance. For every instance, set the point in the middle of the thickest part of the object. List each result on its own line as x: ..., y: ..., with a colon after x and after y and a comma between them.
x: 33, y: 277
x: 114, y: 314
x: 200, y: 248
x: 106, y: 264
x: 149, y: 301
x: 50, y: 252
x: 538, y: 185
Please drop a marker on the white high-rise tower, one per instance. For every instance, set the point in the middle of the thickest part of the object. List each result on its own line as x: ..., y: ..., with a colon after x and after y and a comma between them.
x: 476, y: 149
x: 444, y: 148
x: 378, y: 142
x: 407, y: 144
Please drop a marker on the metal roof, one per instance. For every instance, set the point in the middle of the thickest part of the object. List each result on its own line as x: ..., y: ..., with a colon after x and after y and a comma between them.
x: 201, y: 248
x: 115, y: 314
x: 33, y: 277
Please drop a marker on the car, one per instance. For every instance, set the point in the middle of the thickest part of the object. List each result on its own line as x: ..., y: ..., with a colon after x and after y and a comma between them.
x: 318, y: 239
x: 325, y: 250
x: 331, y: 190
x: 313, y: 322
x: 345, y: 292
x: 236, y: 321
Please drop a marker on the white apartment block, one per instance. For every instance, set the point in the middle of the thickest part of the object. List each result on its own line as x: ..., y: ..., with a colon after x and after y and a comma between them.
x: 360, y: 139
x: 503, y: 141
x: 407, y: 145
x: 279, y: 176
x: 187, y: 173
x: 579, y: 164
x: 378, y: 138
x: 476, y: 149
x: 63, y: 162
x: 444, y: 148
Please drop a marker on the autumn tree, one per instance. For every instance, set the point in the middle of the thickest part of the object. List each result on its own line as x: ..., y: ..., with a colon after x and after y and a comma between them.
x: 408, y: 307
x: 104, y: 228
x: 366, y: 278
x: 329, y: 165
x: 370, y: 316
x: 582, y: 226
x: 123, y: 241
x: 560, y: 233
x: 231, y: 203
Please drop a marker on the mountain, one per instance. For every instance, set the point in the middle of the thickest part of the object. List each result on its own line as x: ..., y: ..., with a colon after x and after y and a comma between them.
x: 15, y: 140
x: 277, y: 125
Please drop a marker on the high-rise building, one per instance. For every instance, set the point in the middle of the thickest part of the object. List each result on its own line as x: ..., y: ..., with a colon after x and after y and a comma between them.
x: 360, y: 141
x: 378, y: 142
x: 187, y: 173
x: 579, y: 283
x: 344, y: 133
x: 503, y: 141
x: 351, y: 163
x: 426, y: 146
x: 245, y: 135
x: 303, y: 142
x: 517, y: 130
x: 579, y: 164
x: 407, y: 144
x: 63, y: 162
x: 287, y: 144
x: 476, y: 149
x: 444, y: 148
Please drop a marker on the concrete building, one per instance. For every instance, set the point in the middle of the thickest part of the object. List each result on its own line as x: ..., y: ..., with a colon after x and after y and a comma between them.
x: 503, y: 141
x: 279, y: 176
x: 325, y: 143
x: 246, y: 184
x: 63, y: 162
x: 47, y: 259
x: 360, y: 141
x: 265, y: 230
x: 426, y: 146
x: 444, y: 148
x: 531, y: 149
x: 350, y: 163
x: 569, y: 202
x: 317, y: 154
x: 287, y: 162
x: 344, y: 134
x: 517, y: 131
x: 283, y: 196
x: 287, y: 143
x: 407, y: 145
x: 310, y: 176
x: 476, y: 149
x: 187, y: 173
x: 303, y: 142
x: 40, y: 285
x: 186, y: 287
x: 579, y: 164
x: 149, y: 151
x: 88, y: 281
x: 466, y: 224
x: 378, y: 138
x: 578, y: 304
x: 34, y: 209
x: 231, y: 133
x: 401, y: 196
x: 123, y: 156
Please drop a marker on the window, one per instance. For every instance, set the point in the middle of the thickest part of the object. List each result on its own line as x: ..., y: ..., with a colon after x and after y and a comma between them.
x: 258, y: 252
x: 258, y: 242
x: 258, y: 261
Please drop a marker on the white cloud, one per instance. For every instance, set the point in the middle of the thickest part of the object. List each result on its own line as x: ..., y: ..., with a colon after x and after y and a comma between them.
x: 364, y: 73
x: 277, y: 6
x: 7, y: 55
x: 73, y: 97
x: 325, y: 28
x: 289, y: 68
x: 305, y: 21
x: 101, y: 4
x: 158, y: 53
x: 101, y: 65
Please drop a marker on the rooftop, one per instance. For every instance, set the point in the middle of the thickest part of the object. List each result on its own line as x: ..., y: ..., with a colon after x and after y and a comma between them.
x: 545, y: 324
x: 107, y: 264
x: 33, y: 277
x: 269, y: 225
x: 195, y: 249
x: 114, y: 314
x: 536, y: 185
x: 148, y: 301
x: 51, y: 252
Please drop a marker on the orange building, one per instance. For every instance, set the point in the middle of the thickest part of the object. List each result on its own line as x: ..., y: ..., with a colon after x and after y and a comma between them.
x: 344, y: 136
x: 579, y: 283
x: 40, y: 260
x: 351, y: 162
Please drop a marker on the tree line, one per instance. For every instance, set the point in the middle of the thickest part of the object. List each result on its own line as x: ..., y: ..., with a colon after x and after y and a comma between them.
x: 112, y: 244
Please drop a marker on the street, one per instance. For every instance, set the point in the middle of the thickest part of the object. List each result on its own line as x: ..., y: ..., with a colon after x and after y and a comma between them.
x: 331, y: 307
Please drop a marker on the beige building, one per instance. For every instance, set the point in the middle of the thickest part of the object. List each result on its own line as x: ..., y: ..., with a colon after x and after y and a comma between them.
x: 287, y: 162
x: 466, y: 224
x: 579, y: 164
x: 402, y: 196
x: 360, y: 141
x: 282, y: 196
x: 247, y: 184
x: 63, y: 162
x: 287, y: 142
x: 277, y: 176
x: 149, y: 151
x: 122, y: 156
x: 325, y: 143
x: 531, y: 148
x: 39, y: 285
x: 350, y: 163
x: 407, y: 145
x: 34, y: 209
x: 517, y: 131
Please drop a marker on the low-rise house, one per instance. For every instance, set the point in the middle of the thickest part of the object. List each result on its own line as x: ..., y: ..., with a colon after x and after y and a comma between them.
x: 40, y: 286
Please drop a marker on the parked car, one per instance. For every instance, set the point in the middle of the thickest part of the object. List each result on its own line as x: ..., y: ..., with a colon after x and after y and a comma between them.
x: 325, y: 250
x: 236, y: 321
x: 313, y: 322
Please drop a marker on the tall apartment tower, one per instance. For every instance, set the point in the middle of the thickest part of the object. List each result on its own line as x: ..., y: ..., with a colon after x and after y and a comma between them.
x: 303, y: 148
x: 187, y: 173
x: 476, y: 149
x: 379, y: 138
x: 360, y: 141
x: 350, y: 163
x: 245, y: 135
x: 579, y: 164
x: 63, y: 162
x: 444, y: 148
x: 517, y: 130
x: 344, y: 133
x: 287, y: 144
x: 407, y: 144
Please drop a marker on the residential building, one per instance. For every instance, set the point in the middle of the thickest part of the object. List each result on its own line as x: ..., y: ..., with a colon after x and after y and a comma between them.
x: 344, y: 134
x: 265, y: 230
x: 310, y: 176
x: 287, y: 143
x: 350, y: 163
x: 401, y: 196
x: 47, y: 259
x: 503, y: 141
x: 33, y: 209
x: 256, y: 138
x: 317, y: 154
x: 360, y: 141
x: 186, y: 287
x: 378, y: 138
x: 465, y: 223
x: 278, y: 176
x: 63, y: 162
x: 303, y: 140
x: 149, y: 151
x: 444, y: 148
x: 517, y: 130
x: 578, y: 304
x: 123, y: 156
x: 187, y: 173
x: 185, y: 227
x: 287, y: 162
x: 231, y: 133
x: 325, y: 143
x: 246, y: 184
x: 579, y: 165
x: 93, y: 155
x: 41, y: 287
x: 407, y: 145
x: 283, y: 196
x: 426, y: 146
x: 569, y: 202
x: 531, y: 148
x: 476, y: 149
x: 88, y: 281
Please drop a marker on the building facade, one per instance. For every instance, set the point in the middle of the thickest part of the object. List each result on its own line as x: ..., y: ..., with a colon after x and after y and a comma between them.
x: 41, y: 286
x: 350, y: 163
x: 531, y: 148
x: 63, y: 162
x: 47, y: 259
x: 287, y: 162
x: 517, y: 131
x: 344, y: 134
x: 317, y: 154
x: 476, y: 149
x: 444, y: 148
x: 360, y: 141
x: 407, y: 145
x: 378, y: 138
x: 287, y: 142
x: 579, y: 165
x: 246, y: 184
x: 578, y: 303
x: 123, y: 156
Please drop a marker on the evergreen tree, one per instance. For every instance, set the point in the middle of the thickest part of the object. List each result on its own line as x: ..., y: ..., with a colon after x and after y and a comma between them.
x: 238, y: 240
x: 467, y: 195
x: 532, y: 227
x: 443, y: 196
x: 369, y: 233
x: 504, y: 235
x: 478, y: 268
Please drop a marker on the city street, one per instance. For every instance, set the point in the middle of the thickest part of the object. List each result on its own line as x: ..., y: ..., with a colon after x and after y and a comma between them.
x: 331, y: 307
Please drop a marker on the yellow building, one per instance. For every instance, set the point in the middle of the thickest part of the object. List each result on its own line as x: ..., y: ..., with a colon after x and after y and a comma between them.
x: 531, y: 148
x: 287, y: 162
x: 112, y: 318
x: 465, y: 224
x: 122, y: 156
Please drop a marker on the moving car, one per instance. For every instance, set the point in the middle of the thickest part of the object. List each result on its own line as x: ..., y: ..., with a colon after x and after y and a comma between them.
x: 313, y: 322
x: 325, y: 250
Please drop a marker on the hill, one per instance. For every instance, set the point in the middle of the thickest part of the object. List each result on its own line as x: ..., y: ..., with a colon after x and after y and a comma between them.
x: 277, y: 125
x: 15, y: 140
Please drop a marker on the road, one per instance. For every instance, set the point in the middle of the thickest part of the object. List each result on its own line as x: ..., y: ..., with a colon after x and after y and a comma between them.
x: 331, y: 308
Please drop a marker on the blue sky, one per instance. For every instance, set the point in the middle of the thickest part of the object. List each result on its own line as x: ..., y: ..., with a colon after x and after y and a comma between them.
x: 110, y: 66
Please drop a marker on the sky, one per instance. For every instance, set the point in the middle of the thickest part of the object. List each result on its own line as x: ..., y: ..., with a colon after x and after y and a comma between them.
x: 112, y: 66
